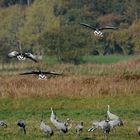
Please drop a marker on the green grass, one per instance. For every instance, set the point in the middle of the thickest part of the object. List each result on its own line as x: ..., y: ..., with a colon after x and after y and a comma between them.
x: 85, y: 109
x: 76, y: 108
x: 50, y: 59
x: 101, y: 59
x: 106, y: 65
x: 108, y: 59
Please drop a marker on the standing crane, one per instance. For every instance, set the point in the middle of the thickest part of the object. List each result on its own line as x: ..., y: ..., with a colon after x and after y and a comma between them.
x: 45, y: 128
x: 60, y: 125
x: 104, y: 125
x: 110, y: 115
x: 22, y: 124
x: 115, y: 123
x: 79, y: 128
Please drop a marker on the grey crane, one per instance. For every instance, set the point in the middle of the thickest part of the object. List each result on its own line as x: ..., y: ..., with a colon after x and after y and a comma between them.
x: 97, y: 31
x: 22, y: 124
x: 60, y: 125
x: 79, y: 128
x: 104, y: 125
x: 3, y: 123
x: 115, y: 123
x: 45, y: 128
x: 22, y: 55
x: 110, y: 115
x: 139, y: 130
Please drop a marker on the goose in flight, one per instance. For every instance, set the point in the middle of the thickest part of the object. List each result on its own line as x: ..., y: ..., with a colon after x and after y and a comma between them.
x: 98, y: 31
x: 41, y: 74
x: 22, y: 55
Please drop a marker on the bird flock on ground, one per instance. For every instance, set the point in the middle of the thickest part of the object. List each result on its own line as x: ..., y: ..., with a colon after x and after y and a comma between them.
x: 110, y: 123
x: 106, y: 125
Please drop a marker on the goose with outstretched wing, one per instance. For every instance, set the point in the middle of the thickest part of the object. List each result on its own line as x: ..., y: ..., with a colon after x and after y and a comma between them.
x: 22, y: 55
x: 97, y: 31
x: 41, y: 74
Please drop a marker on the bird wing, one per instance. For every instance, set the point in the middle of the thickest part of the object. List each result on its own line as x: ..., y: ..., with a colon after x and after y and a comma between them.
x: 32, y: 72
x: 112, y: 116
x: 13, y: 54
x: 107, y: 27
x: 52, y: 73
x: 87, y: 25
x: 30, y: 56
x: 92, y: 129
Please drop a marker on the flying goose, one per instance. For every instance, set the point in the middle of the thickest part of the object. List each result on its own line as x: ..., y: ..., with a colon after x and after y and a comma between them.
x: 41, y: 74
x: 97, y: 31
x: 22, y: 55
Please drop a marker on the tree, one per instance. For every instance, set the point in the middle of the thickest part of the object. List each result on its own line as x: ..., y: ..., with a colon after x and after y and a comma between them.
x: 11, y: 22
x: 68, y: 43
x: 39, y: 19
x: 132, y: 11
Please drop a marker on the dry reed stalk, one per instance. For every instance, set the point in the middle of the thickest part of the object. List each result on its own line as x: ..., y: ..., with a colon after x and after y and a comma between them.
x: 70, y: 86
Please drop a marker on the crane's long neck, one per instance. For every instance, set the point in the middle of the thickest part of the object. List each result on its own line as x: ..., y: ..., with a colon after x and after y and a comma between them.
x: 108, y: 108
x: 52, y: 110
x: 53, y: 114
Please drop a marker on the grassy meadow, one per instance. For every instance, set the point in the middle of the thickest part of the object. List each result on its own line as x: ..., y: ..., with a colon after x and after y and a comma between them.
x: 81, y: 94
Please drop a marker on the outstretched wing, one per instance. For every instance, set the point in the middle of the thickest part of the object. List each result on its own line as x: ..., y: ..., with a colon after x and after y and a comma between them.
x: 87, y: 25
x: 107, y: 27
x: 32, y: 72
x: 13, y: 54
x: 52, y: 73
x: 39, y: 72
x: 30, y: 56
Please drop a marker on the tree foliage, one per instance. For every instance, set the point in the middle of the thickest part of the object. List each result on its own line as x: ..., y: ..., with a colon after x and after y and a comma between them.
x: 52, y: 27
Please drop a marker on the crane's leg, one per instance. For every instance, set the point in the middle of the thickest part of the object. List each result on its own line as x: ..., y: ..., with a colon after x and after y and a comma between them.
x: 61, y: 135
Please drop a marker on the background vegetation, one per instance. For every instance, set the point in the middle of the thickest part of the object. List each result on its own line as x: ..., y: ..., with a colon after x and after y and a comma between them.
x: 51, y: 27
x: 108, y: 70
x: 92, y: 86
